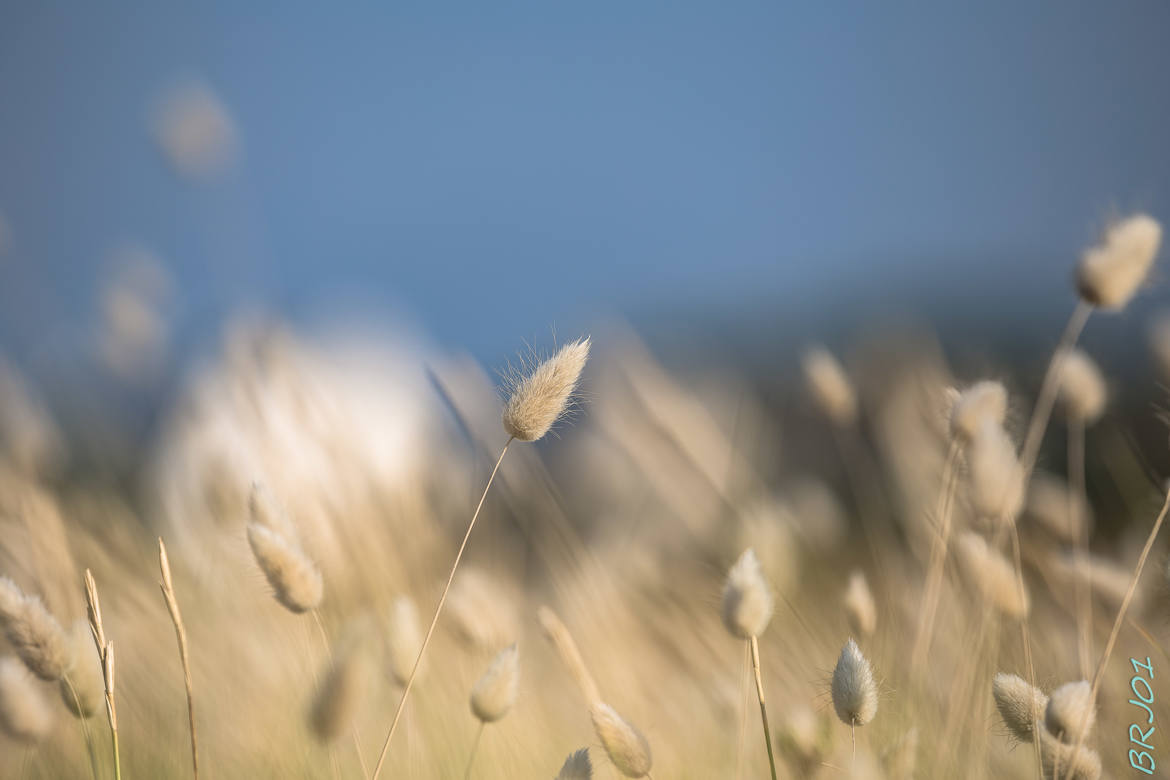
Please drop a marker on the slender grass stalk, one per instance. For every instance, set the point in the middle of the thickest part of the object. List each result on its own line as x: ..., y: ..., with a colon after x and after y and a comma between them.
x: 438, y: 611
x: 755, y: 646
x: 743, y: 694
x: 474, y: 750
x: 1077, y: 523
x: 168, y: 590
x: 84, y: 726
x: 1024, y: 636
x: 938, y: 556
x: 105, y: 650
x: 1121, y: 613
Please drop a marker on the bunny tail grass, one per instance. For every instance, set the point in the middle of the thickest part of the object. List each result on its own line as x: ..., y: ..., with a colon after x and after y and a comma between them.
x: 438, y: 611
x: 755, y: 645
x: 1137, y: 573
x: 167, y: 587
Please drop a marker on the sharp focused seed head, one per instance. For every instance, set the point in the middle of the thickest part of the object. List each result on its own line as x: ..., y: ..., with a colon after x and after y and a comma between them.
x: 541, y: 397
x: 577, y: 767
x: 1112, y: 271
x: 991, y: 574
x: 996, y: 478
x: 24, y: 714
x: 627, y: 748
x: 829, y: 386
x: 854, y: 691
x: 495, y: 692
x: 986, y: 400
x: 1070, y: 709
x: 1082, y: 388
x: 860, y: 609
x: 1020, y: 705
x: 747, y: 599
x: 295, y: 579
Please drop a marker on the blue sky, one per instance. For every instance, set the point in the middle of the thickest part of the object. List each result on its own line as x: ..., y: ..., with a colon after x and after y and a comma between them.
x: 490, y: 170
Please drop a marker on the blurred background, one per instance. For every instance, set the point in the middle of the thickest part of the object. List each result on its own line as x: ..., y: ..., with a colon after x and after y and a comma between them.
x: 274, y: 242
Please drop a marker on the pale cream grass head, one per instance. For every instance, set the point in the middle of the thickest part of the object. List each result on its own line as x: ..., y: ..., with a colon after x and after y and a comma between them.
x: 1049, y: 502
x: 627, y: 748
x: 33, y: 632
x: 295, y: 579
x: 566, y: 648
x: 1082, y: 388
x: 1112, y: 271
x: 991, y: 574
x: 24, y: 713
x: 829, y: 386
x: 403, y: 639
x: 85, y: 673
x: 995, y: 478
x: 338, y: 699
x: 1020, y: 705
x: 986, y: 400
x: 1058, y: 760
x: 747, y: 598
x: 1070, y: 709
x: 860, y: 609
x: 495, y: 692
x: 542, y: 396
x: 577, y: 766
x: 855, y: 696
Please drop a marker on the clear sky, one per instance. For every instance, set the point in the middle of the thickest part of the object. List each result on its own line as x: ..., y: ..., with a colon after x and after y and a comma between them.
x: 496, y: 168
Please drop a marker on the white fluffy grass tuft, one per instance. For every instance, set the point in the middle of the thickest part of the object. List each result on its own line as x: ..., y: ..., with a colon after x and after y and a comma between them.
x: 829, y: 386
x: 983, y: 401
x: 33, y: 632
x: 1082, y: 390
x: 1112, y: 271
x: 627, y: 748
x: 577, y: 766
x: 543, y: 395
x: 1070, y: 709
x: 1020, y: 705
x: 854, y: 690
x: 992, y: 575
x: 25, y: 715
x: 860, y: 608
x: 403, y: 639
x: 747, y: 599
x: 495, y: 692
x: 996, y: 477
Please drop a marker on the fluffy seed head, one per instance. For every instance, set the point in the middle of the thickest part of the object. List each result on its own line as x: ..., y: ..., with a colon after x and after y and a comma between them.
x: 33, y: 632
x: 859, y: 605
x: 566, y: 648
x: 747, y: 599
x: 1069, y: 710
x: 339, y: 697
x: 1020, y: 705
x: 577, y: 766
x: 495, y: 692
x: 984, y: 400
x: 627, y: 748
x: 295, y: 580
x: 541, y: 397
x: 403, y: 639
x: 854, y: 691
x: 1058, y: 760
x: 1111, y: 272
x: 996, y: 479
x: 991, y: 575
x: 85, y: 672
x: 24, y: 714
x: 829, y: 386
x: 1082, y: 388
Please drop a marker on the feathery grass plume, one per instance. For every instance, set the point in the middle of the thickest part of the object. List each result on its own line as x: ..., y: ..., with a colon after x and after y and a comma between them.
x: 24, y: 714
x: 33, y: 632
x: 295, y: 579
x: 1070, y: 709
x: 537, y: 401
x: 627, y: 748
x: 829, y: 386
x: 577, y: 766
x: 1049, y: 499
x: 167, y: 586
x: 900, y: 759
x: 996, y: 479
x: 991, y: 574
x: 1062, y: 761
x: 1082, y: 389
x: 85, y: 674
x: 1111, y: 272
x: 402, y: 638
x: 495, y: 692
x: 543, y: 395
x: 986, y: 400
x: 854, y: 690
x: 105, y: 650
x: 747, y: 599
x: 860, y: 609
x: 1020, y: 705
x: 339, y: 696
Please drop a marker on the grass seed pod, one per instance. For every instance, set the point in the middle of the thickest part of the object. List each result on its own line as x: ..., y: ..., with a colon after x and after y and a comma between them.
x: 996, y: 479
x: 1082, y: 389
x: 24, y: 714
x: 1020, y: 705
x: 627, y: 748
x: 577, y: 766
x: 860, y: 609
x: 33, y: 632
x: 829, y: 386
x: 542, y: 396
x: 992, y: 575
x: 747, y: 599
x: 985, y: 400
x: 1070, y: 709
x: 1112, y: 271
x: 854, y: 690
x: 295, y: 579
x: 495, y: 692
